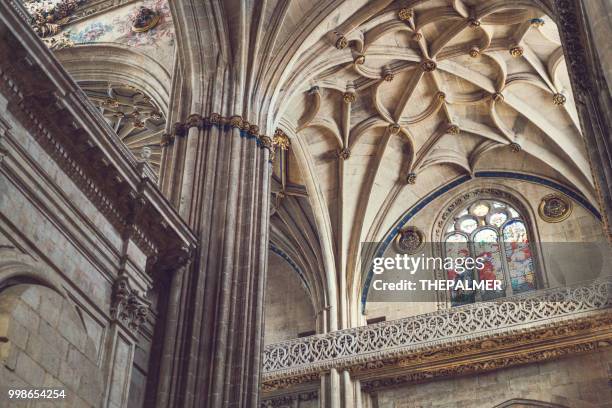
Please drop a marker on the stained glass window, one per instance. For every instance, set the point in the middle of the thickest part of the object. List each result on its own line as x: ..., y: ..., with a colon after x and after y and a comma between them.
x: 496, y: 232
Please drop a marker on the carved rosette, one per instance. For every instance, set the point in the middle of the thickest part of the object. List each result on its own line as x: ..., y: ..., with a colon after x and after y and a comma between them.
x: 341, y: 41
x: 452, y: 129
x: 405, y: 14
x: 428, y: 65
x: 344, y: 154
x: 474, y: 22
x: 515, y: 147
x: 411, y: 178
x: 359, y: 59
x: 394, y: 128
x: 555, y: 208
x: 409, y: 240
x: 516, y: 51
x: 474, y: 52
x: 559, y: 99
x: 497, y: 97
x: 127, y: 305
x: 349, y: 97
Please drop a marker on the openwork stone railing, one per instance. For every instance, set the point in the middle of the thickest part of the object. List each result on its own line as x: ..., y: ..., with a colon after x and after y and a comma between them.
x: 399, y: 337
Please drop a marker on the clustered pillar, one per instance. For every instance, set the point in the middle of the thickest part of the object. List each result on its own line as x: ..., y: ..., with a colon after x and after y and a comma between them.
x: 214, y: 324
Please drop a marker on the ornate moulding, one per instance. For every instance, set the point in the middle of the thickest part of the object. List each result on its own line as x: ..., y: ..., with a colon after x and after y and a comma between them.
x: 477, y: 337
x: 47, y: 102
x: 555, y: 208
x: 280, y: 140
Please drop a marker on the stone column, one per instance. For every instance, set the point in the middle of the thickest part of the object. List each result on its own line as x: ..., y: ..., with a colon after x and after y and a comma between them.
x: 213, y: 342
x: 585, y: 28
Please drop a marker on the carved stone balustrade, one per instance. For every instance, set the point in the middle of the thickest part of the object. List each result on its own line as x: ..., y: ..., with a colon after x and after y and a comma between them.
x: 546, y: 324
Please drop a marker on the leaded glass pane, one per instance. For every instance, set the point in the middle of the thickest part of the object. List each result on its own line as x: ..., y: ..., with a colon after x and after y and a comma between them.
x: 486, y: 246
x: 519, y: 257
x: 498, y: 219
x: 468, y: 225
x: 456, y: 246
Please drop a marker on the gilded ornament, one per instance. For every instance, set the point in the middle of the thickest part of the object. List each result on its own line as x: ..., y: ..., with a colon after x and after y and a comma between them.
x: 405, y: 14
x: 266, y: 142
x: 145, y: 20
x: 441, y: 96
x: 215, y: 119
x: 280, y: 140
x: 344, y: 154
x: 359, y: 59
x: 388, y: 77
x: 394, y: 128
x: 254, y: 130
x: 559, y: 99
x: 417, y: 36
x: 349, y: 97
x: 497, y: 97
x: 411, y: 178
x: 555, y: 208
x: 428, y: 65
x: 452, y: 129
x: 474, y: 52
x: 516, y: 51
x: 235, y: 122
x: 474, y: 22
x: 341, y: 42
x: 409, y: 240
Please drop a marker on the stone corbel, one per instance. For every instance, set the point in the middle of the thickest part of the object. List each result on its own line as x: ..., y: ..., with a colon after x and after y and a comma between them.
x: 128, y: 307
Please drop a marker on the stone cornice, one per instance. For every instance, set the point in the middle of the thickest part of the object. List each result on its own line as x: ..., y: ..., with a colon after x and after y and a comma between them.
x: 47, y: 102
x: 451, y: 341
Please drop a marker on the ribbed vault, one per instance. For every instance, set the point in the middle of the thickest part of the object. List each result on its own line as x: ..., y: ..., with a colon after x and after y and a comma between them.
x: 384, y: 101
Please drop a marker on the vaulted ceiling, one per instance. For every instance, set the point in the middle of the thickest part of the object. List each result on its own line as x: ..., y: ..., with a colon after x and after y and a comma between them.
x: 401, y: 98
x: 384, y: 101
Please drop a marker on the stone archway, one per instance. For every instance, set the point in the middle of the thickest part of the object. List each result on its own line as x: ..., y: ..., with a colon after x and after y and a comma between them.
x: 43, y: 340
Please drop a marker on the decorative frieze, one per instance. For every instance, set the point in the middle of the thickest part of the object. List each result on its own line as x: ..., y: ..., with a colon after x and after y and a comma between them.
x: 481, y: 327
x: 288, y: 400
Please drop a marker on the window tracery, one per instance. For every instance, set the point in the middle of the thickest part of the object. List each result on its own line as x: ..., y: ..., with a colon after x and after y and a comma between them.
x: 497, y: 232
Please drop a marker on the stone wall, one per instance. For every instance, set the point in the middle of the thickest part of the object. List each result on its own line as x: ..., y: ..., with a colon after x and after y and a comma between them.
x: 44, y: 343
x: 288, y: 310
x: 576, y: 382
